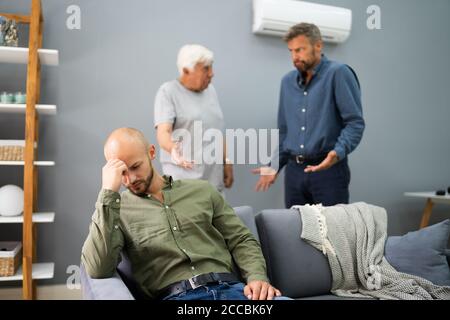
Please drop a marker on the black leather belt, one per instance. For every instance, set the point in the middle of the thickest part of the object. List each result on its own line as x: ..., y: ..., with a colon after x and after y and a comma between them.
x: 195, y: 282
x: 299, y: 159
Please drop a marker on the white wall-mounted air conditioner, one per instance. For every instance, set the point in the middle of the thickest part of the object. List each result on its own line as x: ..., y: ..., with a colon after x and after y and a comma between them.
x: 275, y: 17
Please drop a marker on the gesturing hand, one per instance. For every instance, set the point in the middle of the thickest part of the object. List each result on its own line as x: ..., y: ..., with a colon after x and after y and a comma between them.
x: 266, y: 179
x: 112, y: 174
x: 177, y: 157
x: 331, y: 159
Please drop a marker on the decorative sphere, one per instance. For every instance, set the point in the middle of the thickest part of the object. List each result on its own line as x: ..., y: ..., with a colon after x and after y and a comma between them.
x: 11, y: 201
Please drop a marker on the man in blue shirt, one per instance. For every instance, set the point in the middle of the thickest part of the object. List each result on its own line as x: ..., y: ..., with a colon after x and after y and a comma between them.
x: 320, y: 122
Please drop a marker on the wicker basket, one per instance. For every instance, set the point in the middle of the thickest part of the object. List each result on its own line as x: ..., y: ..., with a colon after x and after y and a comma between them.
x: 12, y: 150
x: 10, y: 258
x: 11, y: 153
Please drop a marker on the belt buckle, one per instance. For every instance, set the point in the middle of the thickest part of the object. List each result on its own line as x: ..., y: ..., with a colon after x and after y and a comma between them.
x: 300, y: 159
x: 193, y: 284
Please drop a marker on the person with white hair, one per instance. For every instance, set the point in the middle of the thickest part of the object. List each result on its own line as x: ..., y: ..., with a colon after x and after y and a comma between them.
x: 184, y: 109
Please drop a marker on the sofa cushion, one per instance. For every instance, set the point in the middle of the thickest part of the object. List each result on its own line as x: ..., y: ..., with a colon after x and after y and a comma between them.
x: 112, y: 288
x: 294, y: 267
x: 247, y: 216
x: 422, y: 253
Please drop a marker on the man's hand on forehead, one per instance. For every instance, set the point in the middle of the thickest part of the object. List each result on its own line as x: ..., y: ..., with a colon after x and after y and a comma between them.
x: 112, y: 173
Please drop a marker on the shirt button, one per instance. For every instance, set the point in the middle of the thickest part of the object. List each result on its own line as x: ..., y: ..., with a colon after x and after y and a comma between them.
x: 117, y: 200
x: 193, y: 268
x: 305, y: 93
x: 302, y: 146
x: 174, y: 228
x: 116, y: 227
x: 167, y: 207
x: 303, y: 128
x: 303, y: 110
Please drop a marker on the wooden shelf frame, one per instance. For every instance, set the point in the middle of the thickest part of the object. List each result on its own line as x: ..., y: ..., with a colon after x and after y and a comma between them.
x: 29, y: 235
x: 18, y: 17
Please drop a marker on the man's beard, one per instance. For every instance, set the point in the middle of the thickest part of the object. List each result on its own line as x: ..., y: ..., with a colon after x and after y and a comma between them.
x: 305, y: 66
x: 147, y: 182
x: 308, y: 66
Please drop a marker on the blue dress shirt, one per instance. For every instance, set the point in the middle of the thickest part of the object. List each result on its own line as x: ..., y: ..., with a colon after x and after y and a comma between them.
x: 324, y: 115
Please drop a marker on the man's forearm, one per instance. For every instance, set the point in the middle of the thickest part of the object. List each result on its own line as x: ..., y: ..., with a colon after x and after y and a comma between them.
x: 250, y: 260
x: 164, y: 137
x: 349, y: 138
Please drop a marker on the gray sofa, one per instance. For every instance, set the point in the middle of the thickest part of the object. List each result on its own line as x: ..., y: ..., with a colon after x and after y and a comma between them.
x: 296, y: 268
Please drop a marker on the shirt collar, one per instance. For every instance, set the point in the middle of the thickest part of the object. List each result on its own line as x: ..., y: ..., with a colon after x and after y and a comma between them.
x: 168, y: 182
x: 317, y: 68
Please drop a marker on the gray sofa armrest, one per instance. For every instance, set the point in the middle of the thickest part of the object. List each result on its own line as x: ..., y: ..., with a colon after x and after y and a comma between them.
x: 104, y: 289
x: 294, y: 267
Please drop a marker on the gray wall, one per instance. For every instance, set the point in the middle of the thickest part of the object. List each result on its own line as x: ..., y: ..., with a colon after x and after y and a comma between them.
x: 110, y: 70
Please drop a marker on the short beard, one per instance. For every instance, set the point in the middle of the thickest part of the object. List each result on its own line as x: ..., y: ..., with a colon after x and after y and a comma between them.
x: 147, y: 183
x: 309, y: 66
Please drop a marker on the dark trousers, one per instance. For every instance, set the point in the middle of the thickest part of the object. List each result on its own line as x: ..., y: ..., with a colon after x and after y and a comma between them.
x: 328, y: 187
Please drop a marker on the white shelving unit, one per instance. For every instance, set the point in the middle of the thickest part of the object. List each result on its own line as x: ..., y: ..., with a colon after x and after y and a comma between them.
x: 38, y: 217
x: 43, y: 109
x: 20, y: 56
x: 34, y: 57
x: 22, y: 163
x: 40, y: 271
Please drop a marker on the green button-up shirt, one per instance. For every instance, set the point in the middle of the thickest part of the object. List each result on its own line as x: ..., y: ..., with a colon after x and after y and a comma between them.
x: 194, y: 231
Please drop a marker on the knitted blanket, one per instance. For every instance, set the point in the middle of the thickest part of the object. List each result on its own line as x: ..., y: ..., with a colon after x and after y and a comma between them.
x: 353, y: 238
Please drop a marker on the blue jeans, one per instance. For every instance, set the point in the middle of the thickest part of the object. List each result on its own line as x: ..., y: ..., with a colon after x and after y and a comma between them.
x: 328, y: 187
x: 222, y: 291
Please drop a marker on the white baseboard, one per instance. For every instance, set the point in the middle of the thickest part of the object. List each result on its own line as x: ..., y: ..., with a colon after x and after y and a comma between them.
x: 49, y: 292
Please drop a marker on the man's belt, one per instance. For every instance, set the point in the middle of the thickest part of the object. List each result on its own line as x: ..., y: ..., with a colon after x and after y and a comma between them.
x: 195, y: 282
x: 299, y: 159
